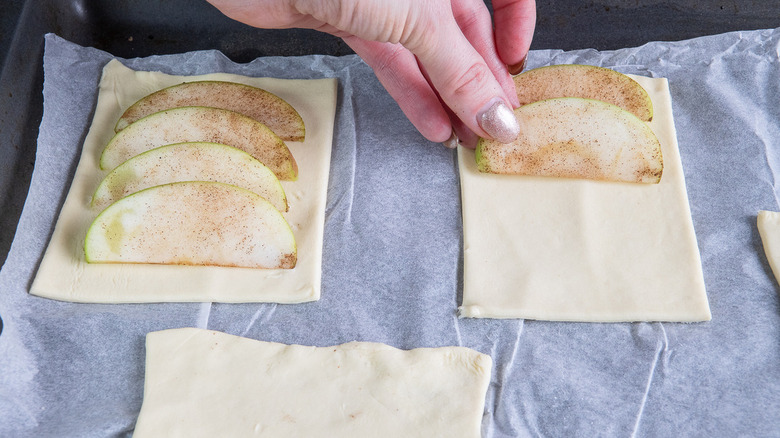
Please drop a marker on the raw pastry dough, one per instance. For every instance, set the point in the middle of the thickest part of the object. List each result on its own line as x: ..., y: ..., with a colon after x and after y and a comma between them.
x: 576, y: 250
x: 207, y: 383
x: 64, y: 274
x: 769, y: 229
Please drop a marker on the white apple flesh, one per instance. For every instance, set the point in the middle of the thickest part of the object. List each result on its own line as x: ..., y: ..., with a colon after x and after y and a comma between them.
x: 585, y: 81
x: 202, y: 124
x: 259, y: 104
x: 192, y: 223
x: 195, y: 161
x: 576, y: 138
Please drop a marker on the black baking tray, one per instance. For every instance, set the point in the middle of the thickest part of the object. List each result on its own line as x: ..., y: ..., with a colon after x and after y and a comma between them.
x: 133, y: 28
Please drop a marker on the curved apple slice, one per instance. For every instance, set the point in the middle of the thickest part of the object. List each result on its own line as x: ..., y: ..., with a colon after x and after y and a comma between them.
x: 259, y: 104
x: 192, y: 223
x: 576, y: 138
x: 585, y: 81
x: 194, y: 161
x: 193, y: 123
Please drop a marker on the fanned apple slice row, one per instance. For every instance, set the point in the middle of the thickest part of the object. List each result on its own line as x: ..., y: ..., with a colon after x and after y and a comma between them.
x: 259, y: 104
x: 190, y: 162
x: 204, y: 124
x: 585, y: 81
x: 576, y: 138
x: 192, y: 223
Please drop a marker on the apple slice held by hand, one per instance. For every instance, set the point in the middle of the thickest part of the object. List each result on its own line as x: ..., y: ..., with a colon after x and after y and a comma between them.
x: 192, y: 223
x: 585, y: 81
x: 259, y: 104
x: 576, y: 138
x: 195, y: 161
x: 204, y: 124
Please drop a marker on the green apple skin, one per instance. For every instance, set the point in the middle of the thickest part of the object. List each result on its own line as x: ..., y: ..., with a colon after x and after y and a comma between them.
x: 576, y: 138
x: 585, y: 81
x: 192, y: 223
x: 259, y: 104
x: 201, y: 124
x: 194, y: 161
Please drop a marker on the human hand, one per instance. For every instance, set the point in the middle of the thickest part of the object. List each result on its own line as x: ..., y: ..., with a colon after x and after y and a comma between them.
x: 438, y: 59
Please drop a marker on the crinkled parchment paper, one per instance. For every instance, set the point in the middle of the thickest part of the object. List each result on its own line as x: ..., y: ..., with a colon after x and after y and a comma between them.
x: 392, y: 261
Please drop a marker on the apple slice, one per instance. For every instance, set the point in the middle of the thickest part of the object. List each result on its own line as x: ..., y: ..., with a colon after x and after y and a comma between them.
x: 192, y: 223
x: 576, y: 138
x: 194, y: 161
x: 586, y: 81
x: 259, y: 104
x: 193, y: 123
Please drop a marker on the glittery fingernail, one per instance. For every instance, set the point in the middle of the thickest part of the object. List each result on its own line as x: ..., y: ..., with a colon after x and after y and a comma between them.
x: 499, y: 121
x: 518, y: 68
x: 451, y: 142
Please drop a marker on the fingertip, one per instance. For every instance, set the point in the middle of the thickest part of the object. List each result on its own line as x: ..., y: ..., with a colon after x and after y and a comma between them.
x: 499, y: 121
x: 441, y: 133
x: 516, y: 69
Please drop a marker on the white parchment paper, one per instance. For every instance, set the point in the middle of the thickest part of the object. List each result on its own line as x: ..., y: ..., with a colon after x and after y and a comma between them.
x: 393, y: 258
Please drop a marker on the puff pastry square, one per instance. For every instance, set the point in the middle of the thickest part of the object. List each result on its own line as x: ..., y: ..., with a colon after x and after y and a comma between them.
x: 65, y: 275
x: 577, y: 250
x: 207, y: 383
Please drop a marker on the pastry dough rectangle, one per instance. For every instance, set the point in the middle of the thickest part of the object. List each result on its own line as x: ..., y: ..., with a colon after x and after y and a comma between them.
x: 577, y: 250
x: 768, y: 223
x: 207, y: 383
x: 65, y: 275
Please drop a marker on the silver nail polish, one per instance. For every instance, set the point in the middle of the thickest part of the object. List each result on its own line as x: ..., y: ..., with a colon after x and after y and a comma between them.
x: 499, y: 122
x: 452, y: 142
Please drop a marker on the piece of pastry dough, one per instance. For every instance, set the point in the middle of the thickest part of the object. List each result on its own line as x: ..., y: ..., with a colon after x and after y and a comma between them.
x: 769, y: 230
x: 206, y: 383
x: 65, y: 275
x: 578, y: 250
